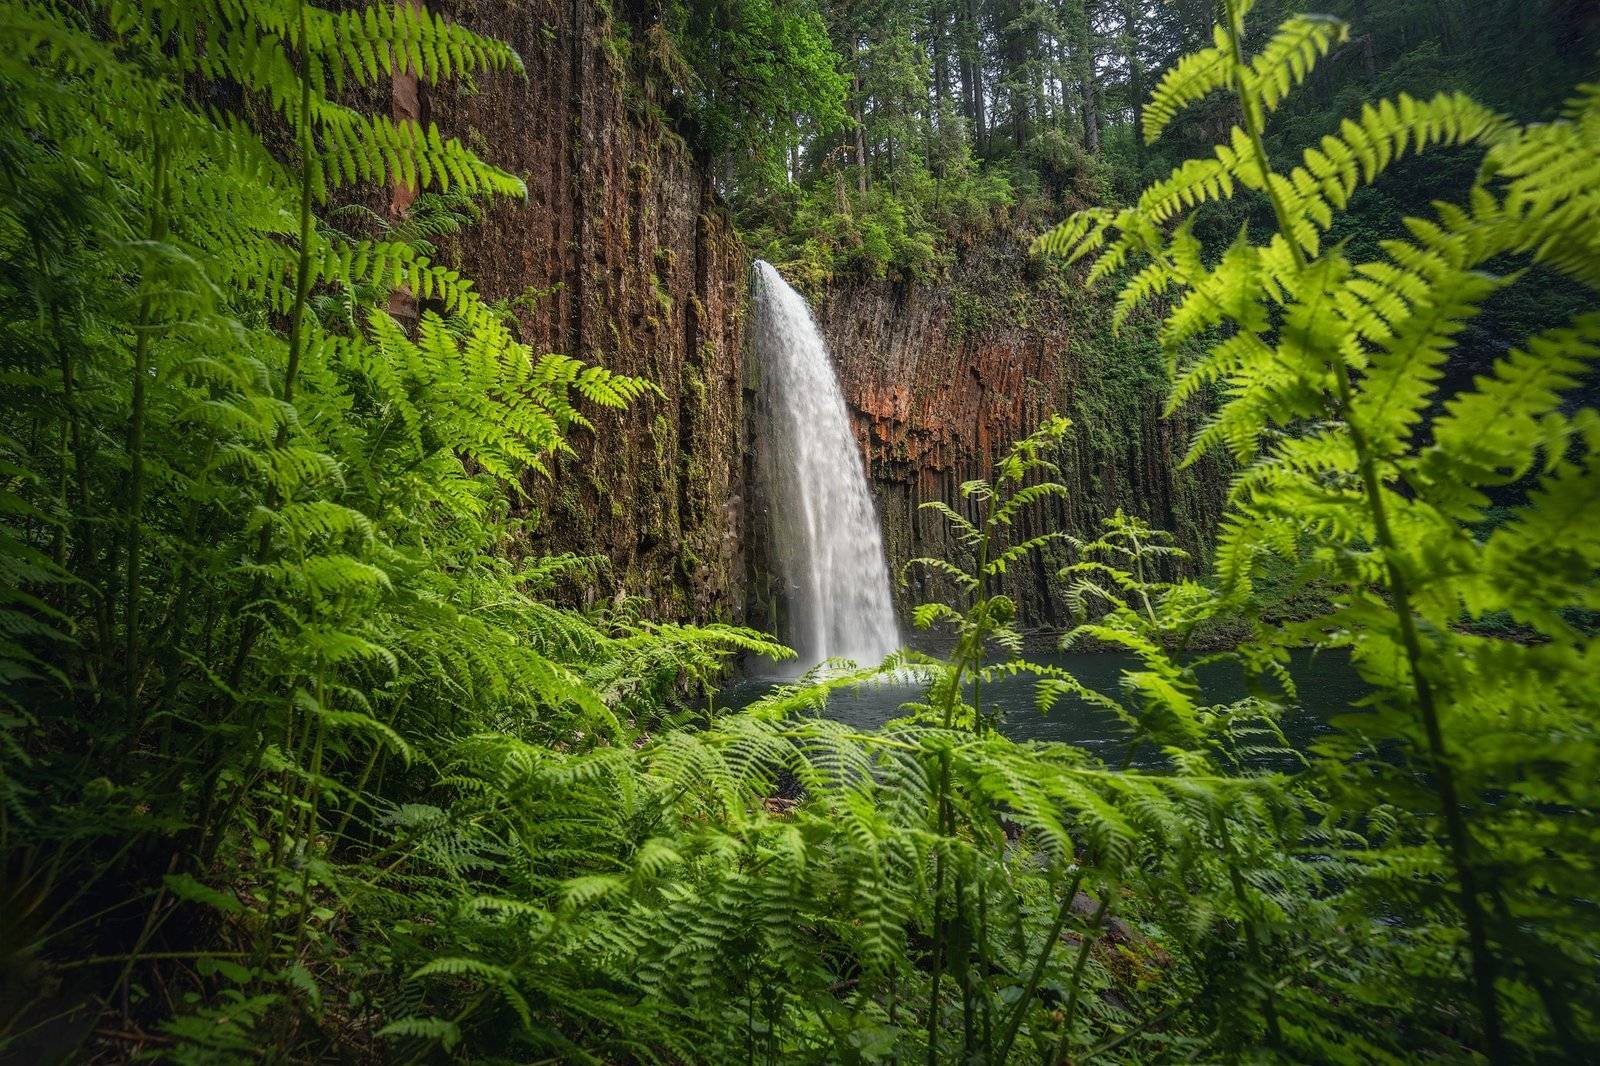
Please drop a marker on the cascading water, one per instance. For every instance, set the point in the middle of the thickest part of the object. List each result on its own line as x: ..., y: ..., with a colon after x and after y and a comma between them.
x: 826, y: 539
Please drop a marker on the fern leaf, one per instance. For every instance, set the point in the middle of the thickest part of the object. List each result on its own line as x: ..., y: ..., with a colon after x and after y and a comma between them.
x: 1291, y: 54
x: 1190, y: 80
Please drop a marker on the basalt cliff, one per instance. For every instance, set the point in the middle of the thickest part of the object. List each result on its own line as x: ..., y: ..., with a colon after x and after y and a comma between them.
x: 622, y: 255
x: 942, y: 378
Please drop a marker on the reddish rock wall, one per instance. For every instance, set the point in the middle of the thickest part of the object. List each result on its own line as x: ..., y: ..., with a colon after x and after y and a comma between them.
x: 622, y: 257
x: 941, y: 379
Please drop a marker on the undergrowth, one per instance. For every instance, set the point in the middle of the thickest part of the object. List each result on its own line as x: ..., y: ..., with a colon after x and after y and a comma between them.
x: 295, y: 765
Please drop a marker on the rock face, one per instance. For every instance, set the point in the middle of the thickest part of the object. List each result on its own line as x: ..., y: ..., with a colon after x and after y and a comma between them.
x: 621, y: 256
x: 941, y: 379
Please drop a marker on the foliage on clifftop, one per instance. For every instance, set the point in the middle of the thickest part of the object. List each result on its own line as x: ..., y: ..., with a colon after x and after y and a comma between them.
x: 870, y: 139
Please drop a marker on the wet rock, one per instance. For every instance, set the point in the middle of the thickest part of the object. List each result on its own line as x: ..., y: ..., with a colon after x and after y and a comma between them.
x: 621, y: 256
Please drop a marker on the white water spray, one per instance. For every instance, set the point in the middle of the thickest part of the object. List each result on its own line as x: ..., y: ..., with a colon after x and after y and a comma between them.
x: 827, y: 543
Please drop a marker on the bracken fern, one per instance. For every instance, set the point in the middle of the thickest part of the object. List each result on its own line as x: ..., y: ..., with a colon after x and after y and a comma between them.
x: 1357, y: 466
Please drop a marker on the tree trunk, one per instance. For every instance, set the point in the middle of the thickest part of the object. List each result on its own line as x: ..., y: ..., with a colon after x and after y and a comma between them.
x: 1091, y: 114
x: 967, y: 50
x: 1130, y: 35
x: 1063, y: 80
x: 1018, y: 42
x: 861, y: 133
x: 1083, y: 48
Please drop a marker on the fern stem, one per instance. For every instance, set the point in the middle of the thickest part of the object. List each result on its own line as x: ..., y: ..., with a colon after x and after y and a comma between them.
x: 1251, y: 937
x: 174, y: 623
x: 355, y: 796
x: 1138, y: 570
x: 986, y: 1002
x: 1138, y: 1030
x: 1090, y: 934
x: 1483, y: 963
x: 136, y: 428
x: 939, y: 929
x: 968, y: 658
x: 1013, y: 1022
x: 151, y: 924
x: 1459, y: 839
x: 314, y: 789
x: 297, y: 316
x: 969, y: 1035
x: 893, y: 1006
x: 938, y: 954
x: 1555, y: 1008
x: 80, y: 457
x: 302, y: 283
x: 147, y: 956
x: 281, y: 828
x: 251, y: 628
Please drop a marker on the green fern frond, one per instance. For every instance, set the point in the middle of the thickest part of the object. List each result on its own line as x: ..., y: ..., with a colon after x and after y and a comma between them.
x: 1290, y: 55
x: 1188, y: 81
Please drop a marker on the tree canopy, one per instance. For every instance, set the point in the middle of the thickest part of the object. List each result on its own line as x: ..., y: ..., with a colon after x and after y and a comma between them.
x: 870, y: 136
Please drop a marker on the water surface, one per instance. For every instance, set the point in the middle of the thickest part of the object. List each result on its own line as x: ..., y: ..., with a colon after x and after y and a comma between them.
x: 1327, y: 685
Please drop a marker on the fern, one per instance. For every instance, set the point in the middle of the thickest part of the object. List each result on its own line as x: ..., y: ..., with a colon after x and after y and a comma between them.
x: 1360, y: 468
x: 285, y: 733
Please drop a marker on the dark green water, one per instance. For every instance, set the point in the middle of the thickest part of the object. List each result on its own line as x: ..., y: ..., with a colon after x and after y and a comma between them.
x: 1327, y: 685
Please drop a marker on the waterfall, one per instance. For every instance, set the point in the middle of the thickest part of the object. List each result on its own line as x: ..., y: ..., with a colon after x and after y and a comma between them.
x: 826, y: 541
